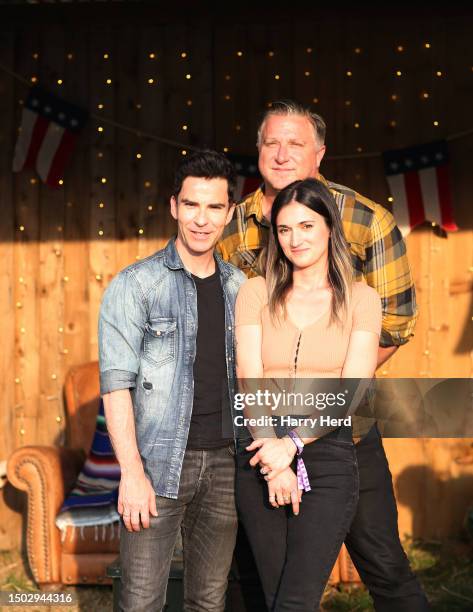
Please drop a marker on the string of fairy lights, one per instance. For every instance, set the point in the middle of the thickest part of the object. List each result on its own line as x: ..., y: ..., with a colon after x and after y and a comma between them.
x: 103, y: 123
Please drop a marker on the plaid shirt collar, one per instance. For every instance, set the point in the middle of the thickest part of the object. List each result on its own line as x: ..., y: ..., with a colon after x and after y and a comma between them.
x: 254, y: 206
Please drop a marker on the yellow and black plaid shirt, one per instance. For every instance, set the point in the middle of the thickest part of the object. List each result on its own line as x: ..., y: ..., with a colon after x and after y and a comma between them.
x: 377, y: 247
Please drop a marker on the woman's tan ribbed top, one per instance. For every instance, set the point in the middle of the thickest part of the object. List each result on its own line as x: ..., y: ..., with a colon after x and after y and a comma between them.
x: 317, y: 350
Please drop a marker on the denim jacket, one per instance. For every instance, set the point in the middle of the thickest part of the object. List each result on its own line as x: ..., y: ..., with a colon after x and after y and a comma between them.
x: 147, y: 343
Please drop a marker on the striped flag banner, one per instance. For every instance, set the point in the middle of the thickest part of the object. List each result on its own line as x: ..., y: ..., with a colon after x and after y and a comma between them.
x: 48, y: 132
x: 418, y: 179
x: 248, y: 177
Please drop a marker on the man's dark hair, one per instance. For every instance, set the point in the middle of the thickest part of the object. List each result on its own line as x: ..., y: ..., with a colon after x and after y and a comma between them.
x: 206, y: 164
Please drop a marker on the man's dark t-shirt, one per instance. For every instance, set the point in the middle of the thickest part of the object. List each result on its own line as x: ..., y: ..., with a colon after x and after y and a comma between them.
x: 210, y: 371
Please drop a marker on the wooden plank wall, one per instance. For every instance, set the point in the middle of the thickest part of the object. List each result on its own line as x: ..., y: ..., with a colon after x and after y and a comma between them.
x: 200, y: 83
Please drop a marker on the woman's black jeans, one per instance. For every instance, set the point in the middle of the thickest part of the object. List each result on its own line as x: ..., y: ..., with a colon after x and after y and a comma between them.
x: 295, y: 554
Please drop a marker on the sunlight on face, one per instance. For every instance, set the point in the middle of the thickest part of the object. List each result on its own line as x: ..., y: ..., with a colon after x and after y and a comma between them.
x: 303, y: 235
x: 288, y: 151
x: 201, y: 210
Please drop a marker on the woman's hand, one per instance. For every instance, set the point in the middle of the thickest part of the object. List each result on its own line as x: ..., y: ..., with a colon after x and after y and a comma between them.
x: 274, y: 455
x: 283, y: 490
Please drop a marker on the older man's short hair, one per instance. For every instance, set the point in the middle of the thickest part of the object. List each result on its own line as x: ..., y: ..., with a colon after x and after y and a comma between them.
x: 289, y: 107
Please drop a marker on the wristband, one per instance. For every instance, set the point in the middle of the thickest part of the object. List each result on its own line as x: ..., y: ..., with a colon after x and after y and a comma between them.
x: 302, y: 477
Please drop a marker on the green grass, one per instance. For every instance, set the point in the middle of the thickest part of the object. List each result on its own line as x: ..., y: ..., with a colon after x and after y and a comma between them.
x: 445, y: 569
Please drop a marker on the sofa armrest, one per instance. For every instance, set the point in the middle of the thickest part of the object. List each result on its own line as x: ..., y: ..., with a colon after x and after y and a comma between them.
x: 46, y: 473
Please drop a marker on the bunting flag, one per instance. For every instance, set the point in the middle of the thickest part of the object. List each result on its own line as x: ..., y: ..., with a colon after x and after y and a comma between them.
x: 248, y: 177
x: 49, y: 129
x: 418, y: 178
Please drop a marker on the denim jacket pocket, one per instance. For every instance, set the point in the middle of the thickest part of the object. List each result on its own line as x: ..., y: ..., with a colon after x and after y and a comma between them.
x: 159, y: 345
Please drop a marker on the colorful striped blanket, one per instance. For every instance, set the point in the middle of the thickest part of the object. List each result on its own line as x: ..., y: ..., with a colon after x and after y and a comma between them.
x: 93, y: 500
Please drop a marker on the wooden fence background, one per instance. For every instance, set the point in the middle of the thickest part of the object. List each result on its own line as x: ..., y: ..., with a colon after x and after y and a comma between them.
x: 204, y: 81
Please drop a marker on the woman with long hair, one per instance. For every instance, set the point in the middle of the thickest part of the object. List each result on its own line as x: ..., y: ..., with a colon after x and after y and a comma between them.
x: 305, y: 318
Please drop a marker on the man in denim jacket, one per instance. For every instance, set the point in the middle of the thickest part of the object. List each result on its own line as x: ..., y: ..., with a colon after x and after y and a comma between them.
x: 167, y: 375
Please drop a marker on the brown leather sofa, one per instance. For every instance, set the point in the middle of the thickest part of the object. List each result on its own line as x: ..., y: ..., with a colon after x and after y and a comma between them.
x: 47, y: 474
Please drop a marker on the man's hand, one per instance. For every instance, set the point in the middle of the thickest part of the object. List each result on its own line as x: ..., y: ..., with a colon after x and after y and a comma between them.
x: 136, y: 500
x: 283, y: 490
x: 274, y: 455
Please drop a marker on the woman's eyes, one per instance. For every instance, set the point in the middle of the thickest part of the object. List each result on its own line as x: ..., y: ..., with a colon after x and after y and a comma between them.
x: 308, y: 225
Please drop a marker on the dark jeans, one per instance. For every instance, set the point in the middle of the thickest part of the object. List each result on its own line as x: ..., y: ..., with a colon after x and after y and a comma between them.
x: 373, y: 541
x: 295, y: 554
x: 205, y: 513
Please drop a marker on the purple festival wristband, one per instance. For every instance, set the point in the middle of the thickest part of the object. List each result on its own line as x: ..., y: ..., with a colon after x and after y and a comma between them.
x: 302, y: 477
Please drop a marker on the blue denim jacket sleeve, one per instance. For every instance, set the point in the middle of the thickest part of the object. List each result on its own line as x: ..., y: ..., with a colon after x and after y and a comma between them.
x: 122, y: 323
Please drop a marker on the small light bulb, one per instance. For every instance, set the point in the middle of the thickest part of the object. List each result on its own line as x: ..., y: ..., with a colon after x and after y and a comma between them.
x: 141, y: 231
x: 439, y: 73
x: 59, y: 81
x: 150, y: 207
x: 106, y: 56
x: 239, y: 53
x: 100, y: 232
x: 61, y: 182
x: 427, y: 45
x: 400, y: 48
x: 436, y: 123
x: 307, y: 73
x: 188, y: 76
x: 150, y: 81
x: 183, y: 152
x: 309, y: 50
x: 356, y: 125
x: 17, y: 381
x: 390, y: 199
x: 184, y: 127
x: 100, y: 129
x: 100, y: 106
x: 225, y: 149
x: 109, y: 81
x: 357, y: 50
x: 394, y: 97
x: 398, y: 73
x: 349, y: 73
x: 138, y: 156
x: 147, y: 184
x: 54, y: 376
x: 270, y: 53
x: 152, y: 56
x: 101, y: 204
x: 183, y: 55
x: 276, y: 76
x: 315, y: 100
x: 189, y: 102
x: 103, y: 180
x: 58, y: 419
x: 98, y: 277
x: 22, y: 228
x: 34, y: 79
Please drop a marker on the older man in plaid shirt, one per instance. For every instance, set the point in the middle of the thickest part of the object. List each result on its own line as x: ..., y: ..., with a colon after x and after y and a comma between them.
x: 291, y: 147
